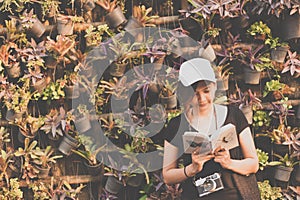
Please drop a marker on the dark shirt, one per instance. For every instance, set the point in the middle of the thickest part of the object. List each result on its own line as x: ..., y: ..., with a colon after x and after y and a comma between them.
x: 173, y: 134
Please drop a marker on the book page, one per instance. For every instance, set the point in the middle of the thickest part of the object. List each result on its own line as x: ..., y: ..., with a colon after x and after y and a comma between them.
x: 194, y: 140
x: 226, y: 137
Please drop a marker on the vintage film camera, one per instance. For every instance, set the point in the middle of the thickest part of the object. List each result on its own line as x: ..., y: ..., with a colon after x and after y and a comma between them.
x: 209, y: 184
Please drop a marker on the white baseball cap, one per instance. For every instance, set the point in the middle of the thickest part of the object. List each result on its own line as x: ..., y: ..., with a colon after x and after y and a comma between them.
x: 194, y: 70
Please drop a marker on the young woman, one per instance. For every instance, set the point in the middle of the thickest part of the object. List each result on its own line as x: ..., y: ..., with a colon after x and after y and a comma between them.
x: 200, y: 114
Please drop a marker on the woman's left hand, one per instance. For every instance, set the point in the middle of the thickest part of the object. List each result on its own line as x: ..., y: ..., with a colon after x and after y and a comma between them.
x: 222, y: 156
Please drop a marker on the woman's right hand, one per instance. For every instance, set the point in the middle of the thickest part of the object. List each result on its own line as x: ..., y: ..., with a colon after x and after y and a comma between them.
x: 198, y: 161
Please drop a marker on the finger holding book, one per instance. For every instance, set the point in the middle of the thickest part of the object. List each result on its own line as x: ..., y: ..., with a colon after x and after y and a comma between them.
x: 222, y: 156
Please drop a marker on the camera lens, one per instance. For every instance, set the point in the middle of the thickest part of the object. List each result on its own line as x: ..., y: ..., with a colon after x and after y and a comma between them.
x: 209, y: 185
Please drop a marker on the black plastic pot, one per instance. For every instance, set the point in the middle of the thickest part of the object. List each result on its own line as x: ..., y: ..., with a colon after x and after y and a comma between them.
x: 115, y: 18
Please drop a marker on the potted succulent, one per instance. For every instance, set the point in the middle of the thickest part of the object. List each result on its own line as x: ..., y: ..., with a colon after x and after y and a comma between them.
x: 16, y: 101
x: 255, y: 63
x: 115, y: 16
x: 12, y: 191
x: 117, y: 91
x: 29, y: 171
x: 285, y: 167
x: 65, y: 25
x: 278, y: 49
x: 268, y: 192
x: 222, y: 73
x: 91, y: 154
x: 167, y: 95
x: 43, y: 158
x: 245, y: 102
x: 82, y: 121
x: 30, y: 22
x: 28, y: 126
x: 259, y: 30
x: 9, y: 59
x: 72, y: 85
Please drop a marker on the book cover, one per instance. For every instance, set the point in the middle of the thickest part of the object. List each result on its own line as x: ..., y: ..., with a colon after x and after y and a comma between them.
x: 225, y: 137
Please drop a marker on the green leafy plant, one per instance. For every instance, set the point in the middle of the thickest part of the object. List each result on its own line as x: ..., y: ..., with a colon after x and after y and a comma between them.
x: 286, y: 160
x: 12, y: 191
x: 261, y: 118
x: 263, y: 158
x: 91, y: 151
x: 267, y: 192
x: 259, y: 29
x: 141, y: 14
x: 44, y: 157
x: 273, y: 85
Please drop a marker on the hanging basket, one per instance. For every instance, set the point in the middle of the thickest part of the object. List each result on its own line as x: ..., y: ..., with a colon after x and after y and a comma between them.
x: 251, y: 76
x: 115, y: 18
x: 278, y: 54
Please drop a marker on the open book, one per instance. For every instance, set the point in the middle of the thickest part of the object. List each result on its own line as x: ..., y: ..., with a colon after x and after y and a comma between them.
x: 225, y: 137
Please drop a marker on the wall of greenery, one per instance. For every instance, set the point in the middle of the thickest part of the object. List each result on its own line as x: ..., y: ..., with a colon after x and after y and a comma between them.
x: 87, y: 85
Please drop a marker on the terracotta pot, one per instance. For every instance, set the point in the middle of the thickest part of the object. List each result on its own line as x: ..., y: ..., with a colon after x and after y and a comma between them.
x: 251, y: 76
x: 115, y: 18
x: 65, y: 26
x: 40, y: 85
x: 37, y: 28
x: 278, y: 54
x: 13, y: 71
x: 283, y: 173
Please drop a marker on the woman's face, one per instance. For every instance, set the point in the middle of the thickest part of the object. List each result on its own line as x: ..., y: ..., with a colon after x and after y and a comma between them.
x: 203, y: 96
